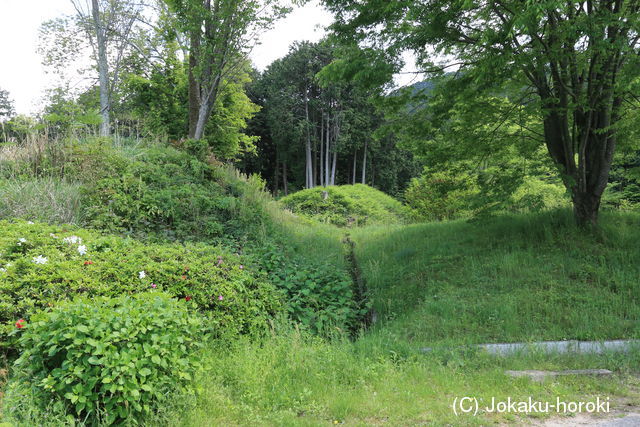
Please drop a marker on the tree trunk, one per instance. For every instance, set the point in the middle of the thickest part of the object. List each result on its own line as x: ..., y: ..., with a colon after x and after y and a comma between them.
x: 585, y: 209
x: 333, y: 167
x: 276, y: 174
x: 336, y: 135
x: 326, y: 151
x: 309, y: 161
x: 364, y: 164
x: 322, y: 181
x: 103, y: 70
x: 194, y: 87
x: 355, y: 166
x: 284, y: 178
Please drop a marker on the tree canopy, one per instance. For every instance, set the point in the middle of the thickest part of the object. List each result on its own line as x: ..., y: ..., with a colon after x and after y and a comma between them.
x: 579, y: 60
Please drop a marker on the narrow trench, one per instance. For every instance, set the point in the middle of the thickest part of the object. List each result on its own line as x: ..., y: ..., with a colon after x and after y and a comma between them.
x: 366, y: 313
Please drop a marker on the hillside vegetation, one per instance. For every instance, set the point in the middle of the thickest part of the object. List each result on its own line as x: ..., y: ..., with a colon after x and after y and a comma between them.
x: 281, y: 296
x: 346, y: 205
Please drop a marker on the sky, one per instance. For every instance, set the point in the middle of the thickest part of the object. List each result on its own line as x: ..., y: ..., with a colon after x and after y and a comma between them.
x: 22, y: 74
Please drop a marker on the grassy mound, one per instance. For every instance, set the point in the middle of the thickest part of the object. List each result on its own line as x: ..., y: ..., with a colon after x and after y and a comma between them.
x: 144, y: 190
x: 346, y: 205
x: 157, y: 193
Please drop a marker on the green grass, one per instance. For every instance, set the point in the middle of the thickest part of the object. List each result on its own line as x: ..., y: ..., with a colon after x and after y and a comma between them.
x: 525, y: 277
x: 506, y: 279
x: 293, y: 380
x: 43, y: 199
x: 441, y: 285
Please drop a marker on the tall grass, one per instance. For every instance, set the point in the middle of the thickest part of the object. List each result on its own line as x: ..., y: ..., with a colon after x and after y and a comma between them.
x: 292, y: 379
x: 44, y: 199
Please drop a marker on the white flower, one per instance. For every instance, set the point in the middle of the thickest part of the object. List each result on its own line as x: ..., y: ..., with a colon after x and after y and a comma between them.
x: 3, y: 270
x: 72, y: 239
x: 142, y: 274
x: 29, y: 222
x: 21, y: 241
x: 82, y: 249
x: 40, y: 259
x: 9, y: 264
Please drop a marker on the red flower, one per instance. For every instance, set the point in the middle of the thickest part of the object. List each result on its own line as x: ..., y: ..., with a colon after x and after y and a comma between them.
x: 187, y: 298
x: 88, y: 262
x: 20, y: 323
x: 184, y: 277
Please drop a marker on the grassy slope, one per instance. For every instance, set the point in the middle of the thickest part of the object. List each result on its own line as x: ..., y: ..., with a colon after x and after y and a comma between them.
x: 505, y: 280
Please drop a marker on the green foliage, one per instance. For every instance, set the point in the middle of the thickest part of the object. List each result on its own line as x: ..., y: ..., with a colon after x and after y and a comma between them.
x: 293, y: 379
x: 108, y: 360
x: 160, y: 191
x: 441, y: 195
x: 346, y: 205
x: 319, y: 296
x: 232, y: 110
x: 537, y: 194
x: 567, y: 63
x: 235, y: 299
x: 6, y: 105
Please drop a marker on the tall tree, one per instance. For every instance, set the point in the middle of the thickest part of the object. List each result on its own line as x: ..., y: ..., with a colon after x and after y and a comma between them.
x: 106, y: 27
x: 579, y: 58
x: 220, y: 34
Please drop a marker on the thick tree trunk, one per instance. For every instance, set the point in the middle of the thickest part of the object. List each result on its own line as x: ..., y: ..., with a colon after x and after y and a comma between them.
x: 585, y: 209
x: 103, y: 70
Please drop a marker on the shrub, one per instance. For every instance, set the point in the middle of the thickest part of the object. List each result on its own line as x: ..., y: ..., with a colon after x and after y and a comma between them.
x: 319, y: 295
x: 50, y: 265
x: 536, y: 194
x: 109, y: 359
x: 345, y: 205
x: 169, y: 193
x: 441, y: 195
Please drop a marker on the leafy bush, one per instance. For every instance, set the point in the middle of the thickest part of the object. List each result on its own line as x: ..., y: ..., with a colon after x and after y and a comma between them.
x: 41, y: 265
x: 150, y: 190
x: 441, y: 195
x: 319, y: 295
x: 109, y: 359
x: 536, y: 194
x: 170, y: 193
x: 345, y: 205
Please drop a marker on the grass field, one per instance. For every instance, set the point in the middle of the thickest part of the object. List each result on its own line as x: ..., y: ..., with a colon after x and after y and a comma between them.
x: 444, y: 285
